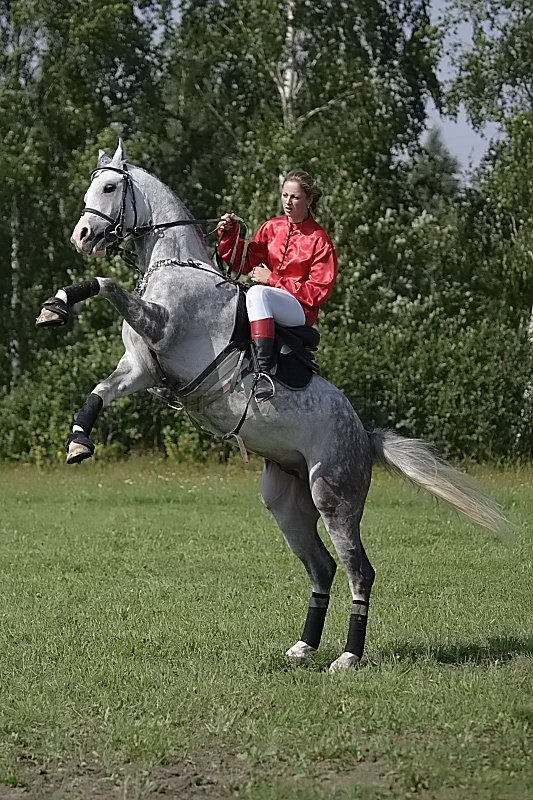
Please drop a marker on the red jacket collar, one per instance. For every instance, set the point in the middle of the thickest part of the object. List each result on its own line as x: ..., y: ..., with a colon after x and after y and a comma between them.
x: 309, y: 224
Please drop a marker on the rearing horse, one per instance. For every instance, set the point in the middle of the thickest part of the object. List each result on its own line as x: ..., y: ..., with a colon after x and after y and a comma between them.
x: 318, y: 456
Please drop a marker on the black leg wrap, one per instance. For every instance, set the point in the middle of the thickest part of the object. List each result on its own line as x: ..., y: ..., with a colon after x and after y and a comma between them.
x: 357, y: 630
x: 81, y: 291
x: 86, y: 416
x: 316, y: 616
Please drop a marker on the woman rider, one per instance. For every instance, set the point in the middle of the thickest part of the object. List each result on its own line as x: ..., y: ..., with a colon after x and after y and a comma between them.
x: 293, y: 264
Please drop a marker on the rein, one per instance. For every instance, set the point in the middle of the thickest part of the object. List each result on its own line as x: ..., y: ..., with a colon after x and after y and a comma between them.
x: 116, y: 230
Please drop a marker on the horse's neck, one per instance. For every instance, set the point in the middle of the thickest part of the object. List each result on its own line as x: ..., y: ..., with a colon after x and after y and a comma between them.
x: 196, y: 296
x: 182, y: 242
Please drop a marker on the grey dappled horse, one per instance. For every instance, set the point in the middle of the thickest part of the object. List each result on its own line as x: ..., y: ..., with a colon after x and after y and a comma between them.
x: 318, y: 456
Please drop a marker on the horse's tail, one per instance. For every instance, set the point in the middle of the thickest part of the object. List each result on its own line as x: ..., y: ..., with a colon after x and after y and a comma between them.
x: 418, y: 461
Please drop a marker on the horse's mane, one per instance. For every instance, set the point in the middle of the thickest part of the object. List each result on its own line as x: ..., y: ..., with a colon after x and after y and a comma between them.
x: 171, y: 195
x: 170, y: 192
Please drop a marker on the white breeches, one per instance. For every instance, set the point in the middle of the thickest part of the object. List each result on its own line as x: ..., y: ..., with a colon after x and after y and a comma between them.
x: 263, y: 302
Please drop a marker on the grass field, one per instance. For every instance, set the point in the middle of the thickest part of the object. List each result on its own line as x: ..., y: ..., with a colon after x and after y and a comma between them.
x: 145, y: 609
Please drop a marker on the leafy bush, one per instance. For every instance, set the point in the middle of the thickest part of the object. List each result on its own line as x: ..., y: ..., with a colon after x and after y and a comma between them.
x: 37, y: 413
x: 458, y: 384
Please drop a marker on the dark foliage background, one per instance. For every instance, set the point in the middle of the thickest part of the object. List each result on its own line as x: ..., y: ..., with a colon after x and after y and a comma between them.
x: 429, y: 328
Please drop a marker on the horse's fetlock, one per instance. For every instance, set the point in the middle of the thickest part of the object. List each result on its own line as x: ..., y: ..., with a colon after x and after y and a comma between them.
x: 107, y: 286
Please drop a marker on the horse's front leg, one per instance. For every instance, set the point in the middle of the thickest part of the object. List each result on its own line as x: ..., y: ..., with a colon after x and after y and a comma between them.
x: 54, y: 311
x: 149, y: 320
x: 135, y: 370
x: 131, y: 375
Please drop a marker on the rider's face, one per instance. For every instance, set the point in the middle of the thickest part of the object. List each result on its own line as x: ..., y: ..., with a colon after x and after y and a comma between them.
x: 295, y: 201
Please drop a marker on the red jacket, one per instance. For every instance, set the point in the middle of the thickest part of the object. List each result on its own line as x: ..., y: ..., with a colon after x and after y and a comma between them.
x: 301, y: 257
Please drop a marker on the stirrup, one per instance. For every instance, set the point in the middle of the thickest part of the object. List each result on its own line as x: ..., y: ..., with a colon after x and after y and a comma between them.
x: 264, y: 388
x: 167, y: 396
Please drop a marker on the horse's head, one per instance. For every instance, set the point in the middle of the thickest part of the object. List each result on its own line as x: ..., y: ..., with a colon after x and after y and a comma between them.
x: 114, y: 206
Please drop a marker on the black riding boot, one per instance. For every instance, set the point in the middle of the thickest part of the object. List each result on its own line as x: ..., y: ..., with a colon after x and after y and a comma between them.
x: 263, y: 350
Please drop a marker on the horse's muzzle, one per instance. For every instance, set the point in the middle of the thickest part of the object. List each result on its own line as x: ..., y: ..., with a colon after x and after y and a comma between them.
x: 87, y: 240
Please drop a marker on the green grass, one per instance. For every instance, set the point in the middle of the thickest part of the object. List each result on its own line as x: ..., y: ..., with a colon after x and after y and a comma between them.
x: 145, y: 608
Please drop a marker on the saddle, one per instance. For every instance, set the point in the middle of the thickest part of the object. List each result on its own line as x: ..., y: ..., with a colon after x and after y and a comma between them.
x: 294, y: 365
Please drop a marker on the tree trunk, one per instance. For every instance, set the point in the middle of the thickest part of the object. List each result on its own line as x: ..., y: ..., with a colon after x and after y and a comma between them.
x: 526, y: 413
x: 288, y: 81
x: 14, y: 339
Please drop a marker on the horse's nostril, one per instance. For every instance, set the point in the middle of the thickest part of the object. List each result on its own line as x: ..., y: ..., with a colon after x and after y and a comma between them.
x: 83, y: 233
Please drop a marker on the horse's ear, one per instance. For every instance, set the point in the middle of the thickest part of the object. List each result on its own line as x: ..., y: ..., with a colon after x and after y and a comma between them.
x: 120, y: 154
x: 103, y: 158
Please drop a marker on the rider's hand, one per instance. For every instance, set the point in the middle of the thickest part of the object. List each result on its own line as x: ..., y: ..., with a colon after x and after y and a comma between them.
x: 261, y: 274
x: 226, y: 223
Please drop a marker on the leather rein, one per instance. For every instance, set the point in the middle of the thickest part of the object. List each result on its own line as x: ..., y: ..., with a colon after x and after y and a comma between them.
x: 116, y: 231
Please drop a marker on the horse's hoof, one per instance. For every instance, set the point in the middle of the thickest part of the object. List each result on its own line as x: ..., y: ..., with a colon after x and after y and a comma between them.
x: 54, y: 313
x: 299, y: 653
x: 77, y: 452
x: 49, y: 319
x: 344, y: 662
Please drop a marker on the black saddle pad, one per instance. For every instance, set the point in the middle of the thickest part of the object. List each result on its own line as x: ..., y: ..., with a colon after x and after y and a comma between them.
x: 306, y: 335
x: 292, y: 372
x: 294, y: 369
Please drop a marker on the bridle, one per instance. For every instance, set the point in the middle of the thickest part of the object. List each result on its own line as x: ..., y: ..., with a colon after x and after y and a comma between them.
x: 117, y: 231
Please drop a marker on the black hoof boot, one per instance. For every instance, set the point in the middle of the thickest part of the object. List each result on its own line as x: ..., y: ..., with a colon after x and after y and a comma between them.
x: 264, y: 388
x: 54, y: 313
x: 79, y: 447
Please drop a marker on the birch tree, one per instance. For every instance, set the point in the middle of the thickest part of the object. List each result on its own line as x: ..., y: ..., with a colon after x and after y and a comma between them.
x: 494, y: 82
x: 338, y: 87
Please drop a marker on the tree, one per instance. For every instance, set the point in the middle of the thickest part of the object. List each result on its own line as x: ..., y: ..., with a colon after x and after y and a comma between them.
x: 434, y: 174
x: 495, y: 83
x: 71, y: 75
x: 338, y: 86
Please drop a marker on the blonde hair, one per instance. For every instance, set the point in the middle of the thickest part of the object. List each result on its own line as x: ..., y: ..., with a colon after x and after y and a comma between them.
x: 308, y: 185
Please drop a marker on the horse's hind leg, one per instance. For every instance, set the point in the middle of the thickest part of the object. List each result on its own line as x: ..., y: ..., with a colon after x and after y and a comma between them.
x: 289, y: 500
x: 340, y: 496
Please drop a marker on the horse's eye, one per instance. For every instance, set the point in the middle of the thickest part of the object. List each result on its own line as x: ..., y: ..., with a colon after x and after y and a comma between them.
x: 109, y: 187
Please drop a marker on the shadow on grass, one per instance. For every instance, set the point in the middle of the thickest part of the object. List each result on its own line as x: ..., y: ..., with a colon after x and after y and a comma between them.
x: 496, y: 650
